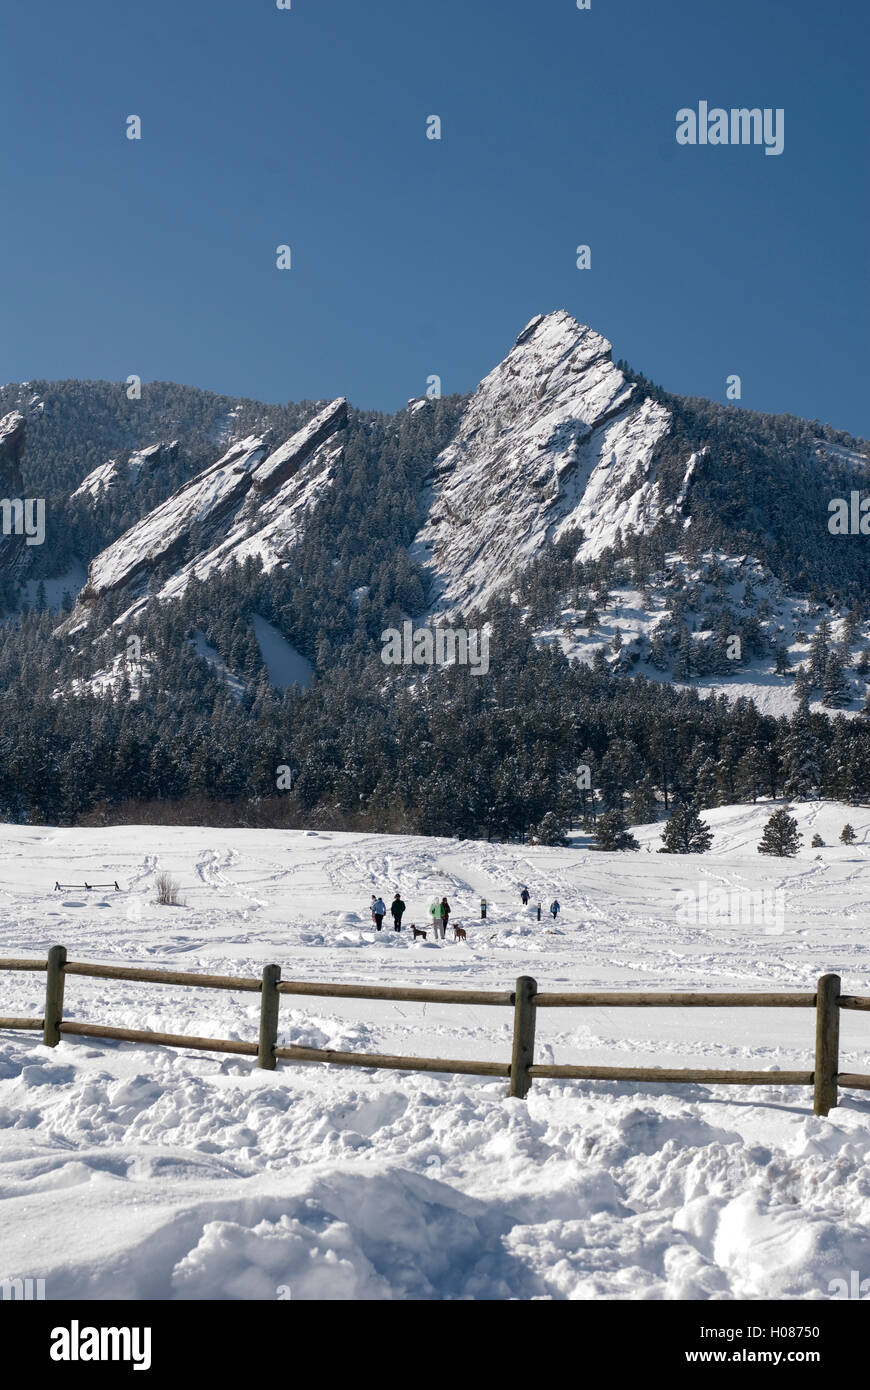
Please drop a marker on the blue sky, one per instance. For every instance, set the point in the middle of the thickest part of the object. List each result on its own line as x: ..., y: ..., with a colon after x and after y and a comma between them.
x: 413, y: 256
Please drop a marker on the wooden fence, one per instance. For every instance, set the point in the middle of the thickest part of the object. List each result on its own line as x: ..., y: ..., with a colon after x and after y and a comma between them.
x: 525, y: 1000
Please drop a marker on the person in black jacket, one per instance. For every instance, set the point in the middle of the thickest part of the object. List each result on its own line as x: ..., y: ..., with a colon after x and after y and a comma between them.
x: 397, y: 907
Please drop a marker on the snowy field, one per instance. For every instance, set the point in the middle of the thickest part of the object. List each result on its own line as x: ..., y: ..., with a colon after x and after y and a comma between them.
x: 137, y: 1172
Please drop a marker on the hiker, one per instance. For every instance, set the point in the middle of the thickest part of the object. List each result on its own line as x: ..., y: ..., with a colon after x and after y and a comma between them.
x: 379, y: 911
x: 397, y: 907
x: 445, y: 916
x: 435, y: 914
x: 524, y: 895
x: 555, y: 908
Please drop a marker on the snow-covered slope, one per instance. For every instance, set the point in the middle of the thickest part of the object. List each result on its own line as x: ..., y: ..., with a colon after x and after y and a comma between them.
x: 554, y: 439
x: 131, y: 1172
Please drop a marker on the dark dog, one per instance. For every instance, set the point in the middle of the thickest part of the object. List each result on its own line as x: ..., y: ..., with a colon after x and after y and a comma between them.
x: 415, y: 931
x: 459, y: 934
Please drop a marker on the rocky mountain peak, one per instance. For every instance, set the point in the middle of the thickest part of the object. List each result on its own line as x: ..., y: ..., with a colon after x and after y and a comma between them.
x: 554, y: 440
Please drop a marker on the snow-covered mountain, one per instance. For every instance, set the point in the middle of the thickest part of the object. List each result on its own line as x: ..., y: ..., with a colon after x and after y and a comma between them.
x: 557, y: 442
x: 555, y: 439
x: 700, y: 520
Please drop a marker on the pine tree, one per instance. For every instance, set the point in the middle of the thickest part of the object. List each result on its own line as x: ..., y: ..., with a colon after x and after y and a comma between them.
x: 705, y: 783
x: 612, y: 833
x: 817, y: 842
x: 658, y: 652
x: 549, y: 832
x: 847, y: 835
x: 800, y: 757
x: 751, y: 773
x: 685, y: 832
x: 803, y: 687
x: 837, y: 782
x: 783, y: 660
x: 780, y: 836
x: 818, y: 658
x: 726, y: 770
x: 643, y: 806
x: 836, y: 692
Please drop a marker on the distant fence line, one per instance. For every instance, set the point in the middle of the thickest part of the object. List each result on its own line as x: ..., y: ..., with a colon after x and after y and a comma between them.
x: 88, y: 886
x: 524, y: 999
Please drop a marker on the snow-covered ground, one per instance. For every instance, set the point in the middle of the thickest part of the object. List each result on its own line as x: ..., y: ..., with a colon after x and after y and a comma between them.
x: 136, y: 1172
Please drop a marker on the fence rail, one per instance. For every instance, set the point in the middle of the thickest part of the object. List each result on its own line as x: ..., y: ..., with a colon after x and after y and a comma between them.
x: 524, y: 999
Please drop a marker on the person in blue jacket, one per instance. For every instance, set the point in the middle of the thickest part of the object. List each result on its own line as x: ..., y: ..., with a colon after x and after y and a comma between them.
x: 555, y: 908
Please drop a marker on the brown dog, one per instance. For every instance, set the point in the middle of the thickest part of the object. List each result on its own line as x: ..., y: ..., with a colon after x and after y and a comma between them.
x: 459, y: 934
x: 417, y: 932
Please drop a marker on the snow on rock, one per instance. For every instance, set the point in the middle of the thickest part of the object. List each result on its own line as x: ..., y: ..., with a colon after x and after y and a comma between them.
x: 286, y: 460
x: 101, y: 479
x: 554, y: 439
x: 110, y: 474
x: 253, y: 500
x: 13, y: 428
x: 207, y: 498
x: 14, y: 553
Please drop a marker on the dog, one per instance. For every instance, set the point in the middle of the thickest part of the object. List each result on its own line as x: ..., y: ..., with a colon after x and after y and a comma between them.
x: 415, y: 931
x: 459, y: 934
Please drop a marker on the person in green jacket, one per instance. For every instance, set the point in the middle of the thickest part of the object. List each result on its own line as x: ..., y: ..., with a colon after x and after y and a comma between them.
x: 437, y: 923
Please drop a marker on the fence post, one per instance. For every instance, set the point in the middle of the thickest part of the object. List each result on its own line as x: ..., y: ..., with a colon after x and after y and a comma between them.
x: 54, y: 983
x: 524, y: 1035
x: 827, y: 1044
x: 270, y: 1001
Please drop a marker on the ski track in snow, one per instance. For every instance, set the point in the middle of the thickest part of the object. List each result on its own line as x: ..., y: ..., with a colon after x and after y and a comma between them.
x: 131, y: 1172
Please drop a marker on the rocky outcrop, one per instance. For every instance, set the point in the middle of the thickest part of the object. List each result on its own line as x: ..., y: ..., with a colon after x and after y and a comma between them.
x: 250, y: 502
x: 13, y: 428
x: 554, y: 441
x: 111, y: 474
x: 290, y: 457
x: 14, y: 550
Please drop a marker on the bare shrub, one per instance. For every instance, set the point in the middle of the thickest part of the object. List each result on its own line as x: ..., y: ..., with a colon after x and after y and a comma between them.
x: 167, y: 890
